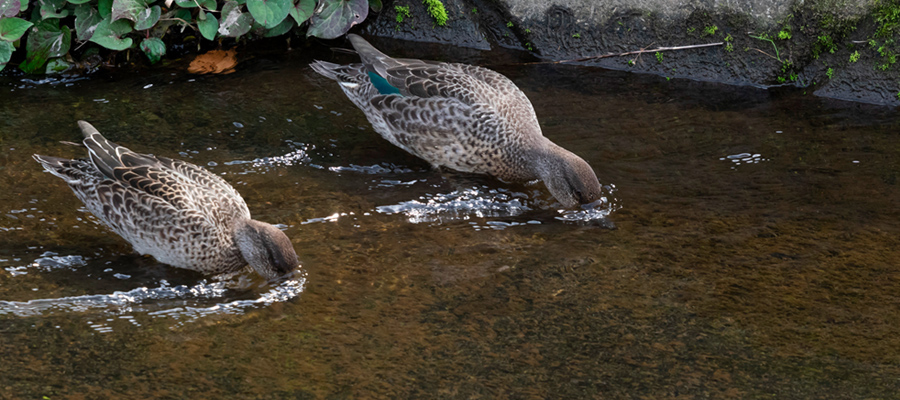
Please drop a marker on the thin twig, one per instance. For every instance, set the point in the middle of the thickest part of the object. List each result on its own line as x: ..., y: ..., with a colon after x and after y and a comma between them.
x: 628, y: 53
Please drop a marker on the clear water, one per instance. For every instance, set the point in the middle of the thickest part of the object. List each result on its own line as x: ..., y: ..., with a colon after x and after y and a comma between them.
x: 746, y: 246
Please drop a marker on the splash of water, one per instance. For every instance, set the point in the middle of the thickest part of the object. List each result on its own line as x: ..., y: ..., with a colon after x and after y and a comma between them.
x: 150, y: 300
x: 480, y: 202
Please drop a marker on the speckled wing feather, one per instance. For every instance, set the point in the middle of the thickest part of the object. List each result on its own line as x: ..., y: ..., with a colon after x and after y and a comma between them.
x: 157, y: 204
x: 467, y: 83
x: 183, y: 185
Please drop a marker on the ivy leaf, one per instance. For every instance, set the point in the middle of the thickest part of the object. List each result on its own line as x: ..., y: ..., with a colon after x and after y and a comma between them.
x: 208, y: 26
x: 46, y: 40
x: 147, y: 18
x: 303, y: 10
x: 109, y: 34
x: 11, y: 29
x: 127, y: 9
x: 281, y: 28
x: 57, y: 65
x: 154, y: 48
x: 52, y: 9
x: 374, y: 5
x: 206, y: 4
x: 234, y: 23
x: 105, y: 8
x: 86, y: 21
x: 269, y: 13
x: 11, y: 8
x: 78, y: 1
x: 6, y: 50
x: 335, y: 18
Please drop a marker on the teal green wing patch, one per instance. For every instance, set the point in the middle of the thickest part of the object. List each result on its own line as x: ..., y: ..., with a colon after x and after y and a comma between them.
x: 382, y: 84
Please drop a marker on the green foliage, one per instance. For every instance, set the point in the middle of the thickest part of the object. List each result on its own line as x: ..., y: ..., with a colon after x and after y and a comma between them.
x: 336, y: 17
x: 402, y: 12
x: 44, y: 34
x: 437, y: 11
x: 884, y: 41
x: 659, y: 57
x: 829, y: 73
x: 269, y: 13
x: 787, y: 68
x: 154, y: 48
x: 854, y: 57
x: 728, y: 47
x: 11, y: 29
x: 509, y: 24
x: 824, y: 43
x: 45, y: 41
x: 887, y: 15
x: 785, y: 33
x: 710, y: 30
x: 577, y: 36
x: 764, y: 37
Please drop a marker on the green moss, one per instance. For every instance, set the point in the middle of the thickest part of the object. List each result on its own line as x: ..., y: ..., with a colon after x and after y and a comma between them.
x: 785, y: 33
x: 829, y: 73
x: 659, y: 57
x: 710, y: 30
x: 884, y: 40
x: 824, y: 43
x: 854, y: 57
x: 437, y: 11
x: 402, y: 12
x: 577, y: 36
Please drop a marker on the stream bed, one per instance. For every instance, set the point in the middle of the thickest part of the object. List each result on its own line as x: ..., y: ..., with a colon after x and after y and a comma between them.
x: 747, y: 247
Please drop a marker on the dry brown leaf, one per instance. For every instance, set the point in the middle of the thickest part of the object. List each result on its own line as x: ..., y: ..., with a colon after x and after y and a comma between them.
x: 214, y: 62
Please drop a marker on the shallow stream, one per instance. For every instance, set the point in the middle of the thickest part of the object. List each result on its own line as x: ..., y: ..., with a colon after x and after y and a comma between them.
x: 747, y: 248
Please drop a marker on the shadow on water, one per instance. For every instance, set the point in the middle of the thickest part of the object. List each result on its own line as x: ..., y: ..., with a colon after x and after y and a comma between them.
x: 754, y: 250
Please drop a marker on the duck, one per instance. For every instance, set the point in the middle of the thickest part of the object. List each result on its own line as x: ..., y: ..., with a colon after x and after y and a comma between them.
x: 179, y: 213
x: 463, y: 117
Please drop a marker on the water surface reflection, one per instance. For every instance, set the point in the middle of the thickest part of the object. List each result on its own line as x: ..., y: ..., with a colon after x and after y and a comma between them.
x: 754, y: 253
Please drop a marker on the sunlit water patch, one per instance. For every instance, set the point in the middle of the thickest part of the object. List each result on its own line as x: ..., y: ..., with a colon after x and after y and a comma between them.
x: 483, y: 202
x: 377, y: 169
x: 299, y: 155
x: 475, y: 202
x: 181, y: 303
x: 743, y: 158
x: 597, y: 212
x: 47, y: 262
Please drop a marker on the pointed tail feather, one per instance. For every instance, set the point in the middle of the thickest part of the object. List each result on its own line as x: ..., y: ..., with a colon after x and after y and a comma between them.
x: 61, y: 167
x: 375, y: 60
x: 104, y: 154
x: 326, y: 69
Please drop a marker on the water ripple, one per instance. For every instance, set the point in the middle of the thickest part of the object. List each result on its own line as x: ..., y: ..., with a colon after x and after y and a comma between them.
x: 478, y: 202
x: 142, y: 300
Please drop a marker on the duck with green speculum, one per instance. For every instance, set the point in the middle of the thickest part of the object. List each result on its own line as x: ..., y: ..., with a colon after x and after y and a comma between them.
x: 460, y: 116
x: 177, y: 212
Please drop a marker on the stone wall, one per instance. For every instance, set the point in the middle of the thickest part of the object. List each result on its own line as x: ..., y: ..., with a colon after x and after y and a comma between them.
x: 820, y: 45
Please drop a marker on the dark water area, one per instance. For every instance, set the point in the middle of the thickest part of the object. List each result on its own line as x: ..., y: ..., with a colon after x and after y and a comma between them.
x: 747, y: 248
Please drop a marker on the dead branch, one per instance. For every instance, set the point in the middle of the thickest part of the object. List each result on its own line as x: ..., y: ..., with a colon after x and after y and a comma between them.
x: 628, y: 53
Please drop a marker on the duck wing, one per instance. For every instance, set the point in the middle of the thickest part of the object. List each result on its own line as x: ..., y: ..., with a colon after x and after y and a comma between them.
x: 183, y: 185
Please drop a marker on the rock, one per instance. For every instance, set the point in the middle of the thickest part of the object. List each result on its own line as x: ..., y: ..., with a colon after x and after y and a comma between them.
x: 762, y: 43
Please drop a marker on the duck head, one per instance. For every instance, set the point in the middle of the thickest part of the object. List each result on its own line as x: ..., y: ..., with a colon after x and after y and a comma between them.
x: 568, y: 177
x: 266, y: 248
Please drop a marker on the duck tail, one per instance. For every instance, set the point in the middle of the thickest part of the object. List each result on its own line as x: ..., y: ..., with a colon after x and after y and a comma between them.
x: 370, y: 56
x: 61, y: 167
x: 105, y: 155
x: 326, y: 69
